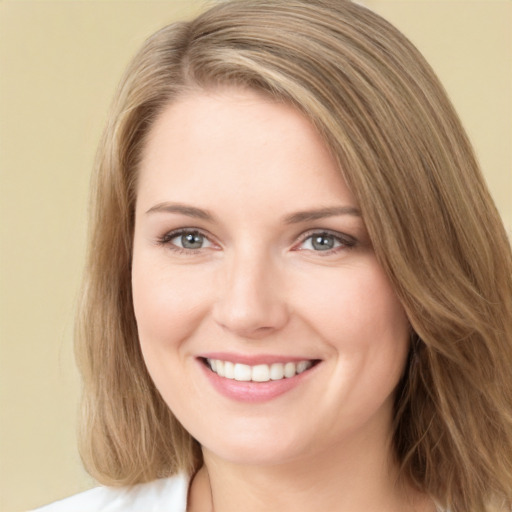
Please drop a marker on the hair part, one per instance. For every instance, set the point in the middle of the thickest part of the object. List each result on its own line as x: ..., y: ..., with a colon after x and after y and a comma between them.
x: 405, y: 156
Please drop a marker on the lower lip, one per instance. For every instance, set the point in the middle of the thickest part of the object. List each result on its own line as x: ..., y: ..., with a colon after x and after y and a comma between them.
x: 254, y: 391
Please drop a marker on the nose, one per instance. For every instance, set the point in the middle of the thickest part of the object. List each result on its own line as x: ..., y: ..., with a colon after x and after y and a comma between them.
x: 251, y: 303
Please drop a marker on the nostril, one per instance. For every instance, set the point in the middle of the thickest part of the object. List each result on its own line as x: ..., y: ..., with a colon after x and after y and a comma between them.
x: 251, y: 320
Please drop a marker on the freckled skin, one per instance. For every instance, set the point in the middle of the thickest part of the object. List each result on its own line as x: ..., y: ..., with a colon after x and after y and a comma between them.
x: 258, y: 285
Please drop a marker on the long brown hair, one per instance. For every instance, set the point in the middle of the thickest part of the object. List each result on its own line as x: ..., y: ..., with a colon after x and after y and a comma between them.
x: 436, y: 232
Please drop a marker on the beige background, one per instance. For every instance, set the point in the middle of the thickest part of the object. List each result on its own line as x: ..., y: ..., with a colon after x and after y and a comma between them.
x: 59, y: 64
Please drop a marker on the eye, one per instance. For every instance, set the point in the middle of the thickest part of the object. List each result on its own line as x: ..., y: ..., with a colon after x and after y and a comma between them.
x: 186, y: 240
x: 192, y: 240
x: 324, y: 241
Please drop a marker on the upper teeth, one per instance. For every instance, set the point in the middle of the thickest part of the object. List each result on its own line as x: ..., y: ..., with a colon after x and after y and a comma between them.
x: 259, y: 372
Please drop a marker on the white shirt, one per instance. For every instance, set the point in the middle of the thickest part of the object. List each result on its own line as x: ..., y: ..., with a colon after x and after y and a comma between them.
x: 164, y: 495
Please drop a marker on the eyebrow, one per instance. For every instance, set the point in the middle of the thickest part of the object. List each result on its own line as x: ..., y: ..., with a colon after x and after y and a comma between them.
x: 189, y: 211
x: 321, y: 213
x: 293, y: 218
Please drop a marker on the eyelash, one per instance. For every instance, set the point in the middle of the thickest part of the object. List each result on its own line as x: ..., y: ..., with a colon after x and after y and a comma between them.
x: 165, y: 240
x: 346, y: 242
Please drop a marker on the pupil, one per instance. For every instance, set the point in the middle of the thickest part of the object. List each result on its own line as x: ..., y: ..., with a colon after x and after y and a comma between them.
x: 323, y: 242
x: 192, y: 241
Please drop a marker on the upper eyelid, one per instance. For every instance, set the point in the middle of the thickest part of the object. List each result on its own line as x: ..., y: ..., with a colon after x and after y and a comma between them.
x: 176, y: 232
x: 335, y: 234
x: 166, y: 238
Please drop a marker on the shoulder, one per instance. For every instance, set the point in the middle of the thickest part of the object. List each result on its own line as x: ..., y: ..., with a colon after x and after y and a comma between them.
x: 166, y: 494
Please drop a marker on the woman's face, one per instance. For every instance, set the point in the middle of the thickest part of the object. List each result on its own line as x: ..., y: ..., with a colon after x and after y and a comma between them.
x: 264, y: 318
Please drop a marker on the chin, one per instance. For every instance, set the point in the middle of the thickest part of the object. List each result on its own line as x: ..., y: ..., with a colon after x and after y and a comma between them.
x: 271, y: 446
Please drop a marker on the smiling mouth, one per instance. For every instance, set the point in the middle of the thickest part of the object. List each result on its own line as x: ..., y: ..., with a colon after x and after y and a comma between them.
x: 260, y: 372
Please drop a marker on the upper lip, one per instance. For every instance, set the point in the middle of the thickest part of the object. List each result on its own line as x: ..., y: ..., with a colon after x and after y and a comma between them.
x: 253, y: 360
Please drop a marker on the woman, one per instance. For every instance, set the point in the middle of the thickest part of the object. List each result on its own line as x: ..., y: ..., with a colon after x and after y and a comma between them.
x: 298, y: 293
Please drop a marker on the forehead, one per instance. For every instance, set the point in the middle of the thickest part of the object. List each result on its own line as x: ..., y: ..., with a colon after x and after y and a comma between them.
x: 207, y: 117
x: 232, y: 143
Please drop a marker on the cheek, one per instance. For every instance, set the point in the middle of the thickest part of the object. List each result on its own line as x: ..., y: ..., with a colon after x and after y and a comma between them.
x: 356, y: 310
x: 168, y: 305
x: 365, y: 327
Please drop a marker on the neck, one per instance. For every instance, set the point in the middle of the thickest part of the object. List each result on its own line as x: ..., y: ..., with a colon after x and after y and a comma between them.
x: 346, y: 479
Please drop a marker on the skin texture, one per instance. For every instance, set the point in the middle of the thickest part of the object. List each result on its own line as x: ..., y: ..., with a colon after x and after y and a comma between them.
x: 257, y: 285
